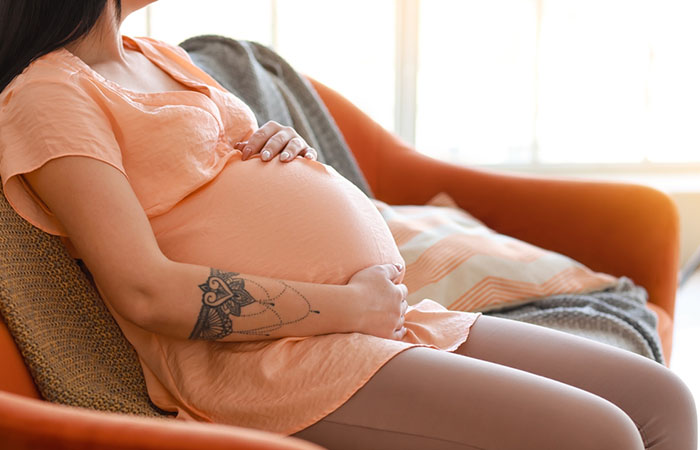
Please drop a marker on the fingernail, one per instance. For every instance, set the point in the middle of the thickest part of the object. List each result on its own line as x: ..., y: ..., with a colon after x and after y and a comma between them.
x: 265, y: 155
x: 399, y: 267
x: 247, y: 151
x: 284, y: 156
x: 309, y: 156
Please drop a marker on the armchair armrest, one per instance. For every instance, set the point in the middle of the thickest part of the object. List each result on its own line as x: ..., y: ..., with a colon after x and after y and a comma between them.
x: 36, y: 424
x: 620, y: 229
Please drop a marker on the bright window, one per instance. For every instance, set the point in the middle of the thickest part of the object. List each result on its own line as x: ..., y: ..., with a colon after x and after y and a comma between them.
x: 476, y: 80
x: 595, y: 96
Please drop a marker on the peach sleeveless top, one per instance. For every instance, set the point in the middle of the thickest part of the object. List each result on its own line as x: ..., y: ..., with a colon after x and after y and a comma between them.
x: 296, y: 221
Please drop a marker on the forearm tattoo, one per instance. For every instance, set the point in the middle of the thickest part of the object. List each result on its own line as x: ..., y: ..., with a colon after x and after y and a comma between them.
x: 225, y: 295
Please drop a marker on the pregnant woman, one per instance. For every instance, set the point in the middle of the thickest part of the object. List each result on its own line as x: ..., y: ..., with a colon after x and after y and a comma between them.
x: 258, y: 286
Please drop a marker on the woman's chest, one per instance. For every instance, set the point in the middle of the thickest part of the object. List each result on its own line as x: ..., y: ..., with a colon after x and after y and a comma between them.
x: 173, y: 143
x: 139, y: 74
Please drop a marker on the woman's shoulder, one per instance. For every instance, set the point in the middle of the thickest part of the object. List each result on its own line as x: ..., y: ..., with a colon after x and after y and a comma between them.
x: 50, y: 75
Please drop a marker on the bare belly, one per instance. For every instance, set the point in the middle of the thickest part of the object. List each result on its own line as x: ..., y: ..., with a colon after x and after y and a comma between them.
x: 296, y: 221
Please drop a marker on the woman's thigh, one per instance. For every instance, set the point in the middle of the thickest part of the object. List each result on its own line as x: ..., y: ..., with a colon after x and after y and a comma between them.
x: 425, y: 399
x: 656, y: 400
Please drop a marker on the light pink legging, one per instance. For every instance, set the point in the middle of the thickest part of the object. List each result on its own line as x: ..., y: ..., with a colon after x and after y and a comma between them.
x: 515, y: 386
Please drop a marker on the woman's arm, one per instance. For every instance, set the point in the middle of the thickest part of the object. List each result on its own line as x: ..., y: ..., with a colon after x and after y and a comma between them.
x: 111, y: 232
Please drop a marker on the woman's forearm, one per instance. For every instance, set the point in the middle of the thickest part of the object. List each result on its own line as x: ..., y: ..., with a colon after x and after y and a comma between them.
x: 199, y: 303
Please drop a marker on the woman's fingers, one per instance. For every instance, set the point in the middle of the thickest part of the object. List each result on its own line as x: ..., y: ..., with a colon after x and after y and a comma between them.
x: 393, y: 271
x: 400, y: 324
x: 400, y: 330
x: 309, y: 153
x: 400, y: 334
x: 404, y: 290
x: 259, y: 138
x: 293, y: 148
x: 276, y: 143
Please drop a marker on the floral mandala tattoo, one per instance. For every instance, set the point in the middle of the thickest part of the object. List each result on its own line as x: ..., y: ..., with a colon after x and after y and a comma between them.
x: 224, y: 295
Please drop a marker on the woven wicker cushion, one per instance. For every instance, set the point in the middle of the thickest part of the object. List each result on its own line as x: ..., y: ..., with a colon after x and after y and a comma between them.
x: 74, y: 349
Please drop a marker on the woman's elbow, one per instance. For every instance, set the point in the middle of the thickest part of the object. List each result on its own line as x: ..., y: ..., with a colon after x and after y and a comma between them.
x: 137, y: 306
x: 133, y: 297
x: 160, y: 302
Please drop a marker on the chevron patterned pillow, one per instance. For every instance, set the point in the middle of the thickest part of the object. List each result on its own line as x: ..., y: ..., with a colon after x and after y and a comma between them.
x: 457, y: 261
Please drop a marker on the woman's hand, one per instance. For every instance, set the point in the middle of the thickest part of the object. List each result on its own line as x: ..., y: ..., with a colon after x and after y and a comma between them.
x: 381, y: 301
x: 273, y: 138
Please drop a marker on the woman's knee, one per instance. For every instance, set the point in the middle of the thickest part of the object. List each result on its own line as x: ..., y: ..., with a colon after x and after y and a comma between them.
x: 649, y: 396
x: 600, y: 424
x: 670, y: 419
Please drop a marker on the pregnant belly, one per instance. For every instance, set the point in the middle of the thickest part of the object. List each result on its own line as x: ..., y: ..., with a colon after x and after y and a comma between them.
x: 296, y: 221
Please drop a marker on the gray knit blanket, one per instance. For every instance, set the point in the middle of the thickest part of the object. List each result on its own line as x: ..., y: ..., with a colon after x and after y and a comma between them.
x: 275, y: 91
x: 615, y: 316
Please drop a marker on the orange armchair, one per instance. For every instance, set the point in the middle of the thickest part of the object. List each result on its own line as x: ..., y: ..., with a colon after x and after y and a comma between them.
x: 620, y: 229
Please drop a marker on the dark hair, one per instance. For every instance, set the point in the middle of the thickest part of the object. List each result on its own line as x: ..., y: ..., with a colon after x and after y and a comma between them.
x: 32, y: 28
